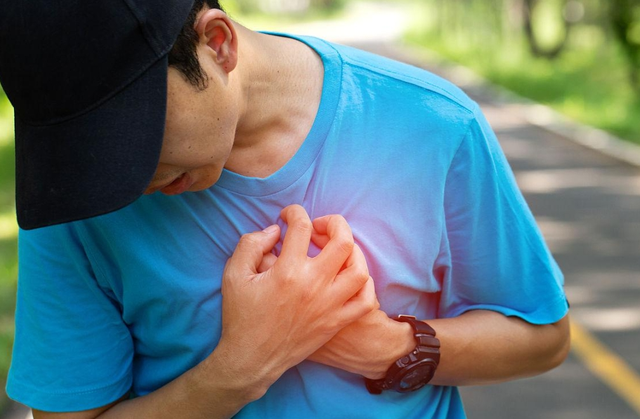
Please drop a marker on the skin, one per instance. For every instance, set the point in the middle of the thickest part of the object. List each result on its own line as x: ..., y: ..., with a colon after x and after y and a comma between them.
x: 252, y: 119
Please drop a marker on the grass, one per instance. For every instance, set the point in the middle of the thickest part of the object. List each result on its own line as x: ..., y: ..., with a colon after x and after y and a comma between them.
x: 588, y: 83
x: 8, y: 235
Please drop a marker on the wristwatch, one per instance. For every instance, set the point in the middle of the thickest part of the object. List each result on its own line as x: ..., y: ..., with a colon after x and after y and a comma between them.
x: 414, y: 370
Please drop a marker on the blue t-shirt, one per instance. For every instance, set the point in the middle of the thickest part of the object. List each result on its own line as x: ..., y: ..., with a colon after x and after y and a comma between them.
x: 131, y: 299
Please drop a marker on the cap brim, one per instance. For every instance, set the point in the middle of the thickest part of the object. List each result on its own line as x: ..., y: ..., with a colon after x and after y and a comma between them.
x: 93, y: 164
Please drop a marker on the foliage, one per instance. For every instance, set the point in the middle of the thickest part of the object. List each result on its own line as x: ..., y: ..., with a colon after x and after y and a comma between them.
x: 8, y: 230
x: 625, y: 22
x: 529, y: 9
x: 588, y: 81
x: 297, y: 8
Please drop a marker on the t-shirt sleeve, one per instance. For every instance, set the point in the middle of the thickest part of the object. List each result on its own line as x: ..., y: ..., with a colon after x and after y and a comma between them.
x: 72, y: 350
x: 499, y: 260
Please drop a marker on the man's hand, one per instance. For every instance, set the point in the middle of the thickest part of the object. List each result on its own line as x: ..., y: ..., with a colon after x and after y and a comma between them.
x: 367, y: 346
x: 361, y: 347
x: 274, y: 317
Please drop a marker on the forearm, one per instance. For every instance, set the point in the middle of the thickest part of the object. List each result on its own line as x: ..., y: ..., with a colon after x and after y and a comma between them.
x: 485, y: 347
x: 478, y: 347
x: 216, y: 388
x: 210, y: 390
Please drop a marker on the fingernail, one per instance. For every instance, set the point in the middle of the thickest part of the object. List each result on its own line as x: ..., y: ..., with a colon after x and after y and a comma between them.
x: 270, y: 229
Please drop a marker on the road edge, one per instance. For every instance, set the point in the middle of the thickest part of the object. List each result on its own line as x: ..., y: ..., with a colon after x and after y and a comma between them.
x: 535, y: 113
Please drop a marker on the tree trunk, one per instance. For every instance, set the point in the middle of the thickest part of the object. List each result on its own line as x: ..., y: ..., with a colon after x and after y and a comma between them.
x: 534, y: 44
x: 621, y: 14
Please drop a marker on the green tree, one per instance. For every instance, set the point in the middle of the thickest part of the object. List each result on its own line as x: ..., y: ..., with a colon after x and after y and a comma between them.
x: 562, y: 16
x: 625, y: 22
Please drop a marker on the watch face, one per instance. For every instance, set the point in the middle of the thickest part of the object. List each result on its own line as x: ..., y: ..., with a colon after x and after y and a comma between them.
x: 417, y: 376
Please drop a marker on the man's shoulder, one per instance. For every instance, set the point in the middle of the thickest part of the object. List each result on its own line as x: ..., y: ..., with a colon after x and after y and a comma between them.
x: 405, y: 77
x: 367, y: 74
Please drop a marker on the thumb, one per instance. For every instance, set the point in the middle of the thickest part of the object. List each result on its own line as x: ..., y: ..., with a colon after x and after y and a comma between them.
x: 267, y: 262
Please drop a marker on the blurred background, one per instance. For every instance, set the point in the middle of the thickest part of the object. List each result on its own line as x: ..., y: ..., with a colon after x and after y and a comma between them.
x: 560, y: 82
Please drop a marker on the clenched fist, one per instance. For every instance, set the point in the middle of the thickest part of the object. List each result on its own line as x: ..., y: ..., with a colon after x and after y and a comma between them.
x: 278, y: 311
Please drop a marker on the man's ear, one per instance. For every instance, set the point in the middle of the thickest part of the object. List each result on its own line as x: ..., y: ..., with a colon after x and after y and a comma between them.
x: 216, y: 30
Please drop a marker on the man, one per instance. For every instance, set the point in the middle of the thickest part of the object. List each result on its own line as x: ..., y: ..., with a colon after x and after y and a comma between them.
x: 183, y: 306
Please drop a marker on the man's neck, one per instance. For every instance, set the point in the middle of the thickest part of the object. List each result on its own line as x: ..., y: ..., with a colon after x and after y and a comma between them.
x: 281, y: 83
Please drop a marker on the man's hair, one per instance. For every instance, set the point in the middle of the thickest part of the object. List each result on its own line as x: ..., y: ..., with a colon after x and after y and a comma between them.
x: 183, y: 55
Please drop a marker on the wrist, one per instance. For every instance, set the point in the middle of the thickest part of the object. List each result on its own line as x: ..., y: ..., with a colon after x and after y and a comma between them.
x: 234, y: 375
x: 415, y: 369
x: 394, y: 344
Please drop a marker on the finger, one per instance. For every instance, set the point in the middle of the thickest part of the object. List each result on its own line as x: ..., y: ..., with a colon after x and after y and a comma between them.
x: 267, y: 262
x: 319, y: 240
x: 250, y: 251
x: 340, y: 241
x: 298, y: 236
x: 320, y: 224
x: 361, y: 304
x: 353, y: 277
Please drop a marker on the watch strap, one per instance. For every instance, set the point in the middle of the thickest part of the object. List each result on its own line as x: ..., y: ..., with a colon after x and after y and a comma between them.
x: 428, y: 347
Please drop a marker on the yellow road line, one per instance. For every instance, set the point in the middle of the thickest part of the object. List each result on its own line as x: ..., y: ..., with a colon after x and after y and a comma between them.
x: 606, y: 365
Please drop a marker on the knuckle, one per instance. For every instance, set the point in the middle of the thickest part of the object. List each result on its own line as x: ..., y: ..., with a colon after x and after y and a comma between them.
x: 289, y: 277
x: 298, y: 208
x: 339, y: 224
x: 376, y: 304
x: 293, y: 211
x: 336, y: 322
x: 345, y: 245
x: 301, y: 225
x: 346, y: 320
x: 370, y: 304
x: 361, y: 275
x: 364, y: 275
x: 327, y: 328
x: 228, y: 269
x: 338, y: 219
x: 247, y: 240
x: 306, y: 295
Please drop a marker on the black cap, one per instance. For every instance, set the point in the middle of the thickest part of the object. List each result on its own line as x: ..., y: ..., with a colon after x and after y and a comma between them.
x: 88, y: 82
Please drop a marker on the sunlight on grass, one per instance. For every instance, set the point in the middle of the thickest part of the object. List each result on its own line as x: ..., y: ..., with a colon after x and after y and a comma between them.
x: 552, y: 29
x: 6, y: 344
x: 6, y: 121
x: 8, y: 237
x: 8, y: 225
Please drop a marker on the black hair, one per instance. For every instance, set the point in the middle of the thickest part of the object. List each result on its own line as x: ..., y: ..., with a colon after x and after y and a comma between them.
x: 183, y: 55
